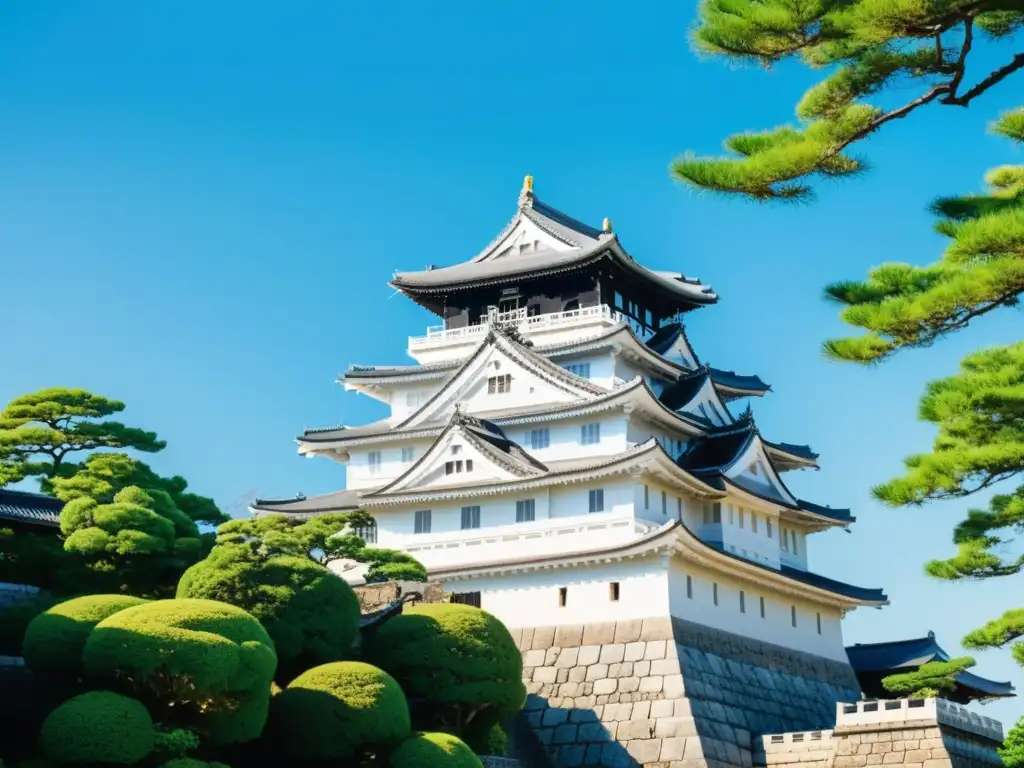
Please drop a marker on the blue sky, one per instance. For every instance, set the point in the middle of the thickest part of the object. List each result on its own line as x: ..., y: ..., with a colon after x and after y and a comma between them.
x: 200, y: 205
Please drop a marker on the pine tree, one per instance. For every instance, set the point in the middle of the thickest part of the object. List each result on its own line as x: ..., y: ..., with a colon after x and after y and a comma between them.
x: 932, y: 679
x: 870, y: 47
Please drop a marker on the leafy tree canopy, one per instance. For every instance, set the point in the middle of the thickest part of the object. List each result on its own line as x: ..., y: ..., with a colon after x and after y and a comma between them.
x: 103, y: 475
x: 869, y: 48
x: 138, y: 543
x: 1012, y: 750
x: 38, y: 430
x: 323, y: 539
x: 932, y: 679
x: 982, y: 269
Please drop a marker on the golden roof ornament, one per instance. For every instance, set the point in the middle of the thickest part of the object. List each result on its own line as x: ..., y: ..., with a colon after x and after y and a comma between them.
x: 606, y: 226
x: 527, y: 191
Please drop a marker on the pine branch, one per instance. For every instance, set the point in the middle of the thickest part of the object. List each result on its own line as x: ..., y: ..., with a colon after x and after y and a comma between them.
x: 996, y: 77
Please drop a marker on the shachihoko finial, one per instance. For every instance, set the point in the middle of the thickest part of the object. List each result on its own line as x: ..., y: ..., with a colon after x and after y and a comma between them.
x: 606, y: 225
x: 527, y: 185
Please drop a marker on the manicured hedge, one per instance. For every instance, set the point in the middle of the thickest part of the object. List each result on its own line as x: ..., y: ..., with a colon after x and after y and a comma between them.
x: 311, y: 614
x: 434, y: 750
x: 456, y: 658
x: 332, y: 711
x: 217, y: 649
x: 98, y: 727
x: 55, y: 639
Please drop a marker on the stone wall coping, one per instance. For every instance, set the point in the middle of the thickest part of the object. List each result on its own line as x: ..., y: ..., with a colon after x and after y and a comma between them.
x: 784, y: 742
x: 892, y: 711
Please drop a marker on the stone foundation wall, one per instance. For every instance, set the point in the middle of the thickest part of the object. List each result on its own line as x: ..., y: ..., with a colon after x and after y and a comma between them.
x: 668, y: 693
x: 373, y: 597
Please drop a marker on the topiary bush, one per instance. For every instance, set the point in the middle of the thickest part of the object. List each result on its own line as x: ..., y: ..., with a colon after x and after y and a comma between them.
x: 198, y: 663
x: 54, y: 641
x: 458, y: 665
x: 434, y: 750
x: 310, y: 613
x: 98, y: 727
x: 335, y: 710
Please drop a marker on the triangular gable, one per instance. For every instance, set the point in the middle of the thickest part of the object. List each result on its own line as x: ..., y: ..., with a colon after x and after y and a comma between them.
x: 534, y: 381
x: 521, y: 236
x: 461, y: 456
x: 707, y: 404
x: 753, y: 469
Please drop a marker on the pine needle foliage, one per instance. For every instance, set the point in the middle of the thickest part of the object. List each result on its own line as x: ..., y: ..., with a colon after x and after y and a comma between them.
x: 929, y: 680
x: 982, y: 269
x: 865, y: 48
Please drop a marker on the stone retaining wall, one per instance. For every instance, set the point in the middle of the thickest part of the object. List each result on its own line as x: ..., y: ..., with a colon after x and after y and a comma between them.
x: 668, y: 693
x: 373, y: 597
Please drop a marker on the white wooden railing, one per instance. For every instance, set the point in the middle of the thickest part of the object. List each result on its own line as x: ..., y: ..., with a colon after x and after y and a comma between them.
x: 438, y: 335
x: 524, y: 537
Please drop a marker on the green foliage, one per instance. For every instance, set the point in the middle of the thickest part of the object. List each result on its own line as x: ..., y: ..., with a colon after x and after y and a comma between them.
x: 141, y: 541
x: 932, y: 679
x: 101, y: 476
x: 54, y: 640
x: 434, y: 750
x: 1012, y: 750
x: 486, y: 741
x: 901, y: 305
x: 323, y: 539
x: 174, y: 742
x: 14, y: 620
x: 98, y: 727
x: 337, y: 710
x: 38, y: 430
x: 311, y: 614
x: 866, y: 48
x: 208, y: 664
x: 456, y: 663
x: 999, y: 633
x: 37, y: 559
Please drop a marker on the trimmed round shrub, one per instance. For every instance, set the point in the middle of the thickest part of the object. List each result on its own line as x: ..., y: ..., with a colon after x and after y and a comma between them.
x: 55, y: 639
x: 218, y: 653
x: 98, y: 727
x: 310, y: 613
x: 451, y: 659
x: 334, y: 710
x: 434, y: 750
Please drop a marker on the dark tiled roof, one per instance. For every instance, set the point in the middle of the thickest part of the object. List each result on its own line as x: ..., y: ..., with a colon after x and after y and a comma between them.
x: 800, y: 451
x: 492, y: 441
x: 678, y: 394
x: 339, y: 501
x: 736, y: 382
x: 840, y: 588
x: 719, y: 449
x: 32, y: 508
x: 663, y: 339
x: 836, y: 514
x: 905, y: 655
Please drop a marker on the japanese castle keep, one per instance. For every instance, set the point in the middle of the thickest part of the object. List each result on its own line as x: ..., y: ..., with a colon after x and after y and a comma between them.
x: 560, y: 456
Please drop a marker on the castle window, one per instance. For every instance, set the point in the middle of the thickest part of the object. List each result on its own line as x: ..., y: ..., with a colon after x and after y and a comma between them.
x: 499, y: 385
x: 819, y: 623
x: 456, y: 450
x: 713, y: 512
x: 795, y: 551
x: 784, y: 539
x: 753, y: 522
x: 689, y: 586
x: 470, y: 518
x: 647, y: 497
x: 743, y: 602
x: 617, y: 300
x: 613, y: 591
x: 768, y: 528
x: 590, y: 434
x: 373, y: 462
x: 741, y: 518
x: 580, y: 369
x: 367, y: 533
x: 539, y: 438
x: 714, y: 592
x: 792, y: 614
x: 422, y: 521
x: 647, y: 318
x: 664, y: 504
x: 679, y: 507
x: 732, y: 519
x: 563, y: 596
x: 408, y: 454
x: 469, y: 465
x: 525, y: 510
x: 596, y: 499
x: 762, y: 607
x: 467, y: 598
